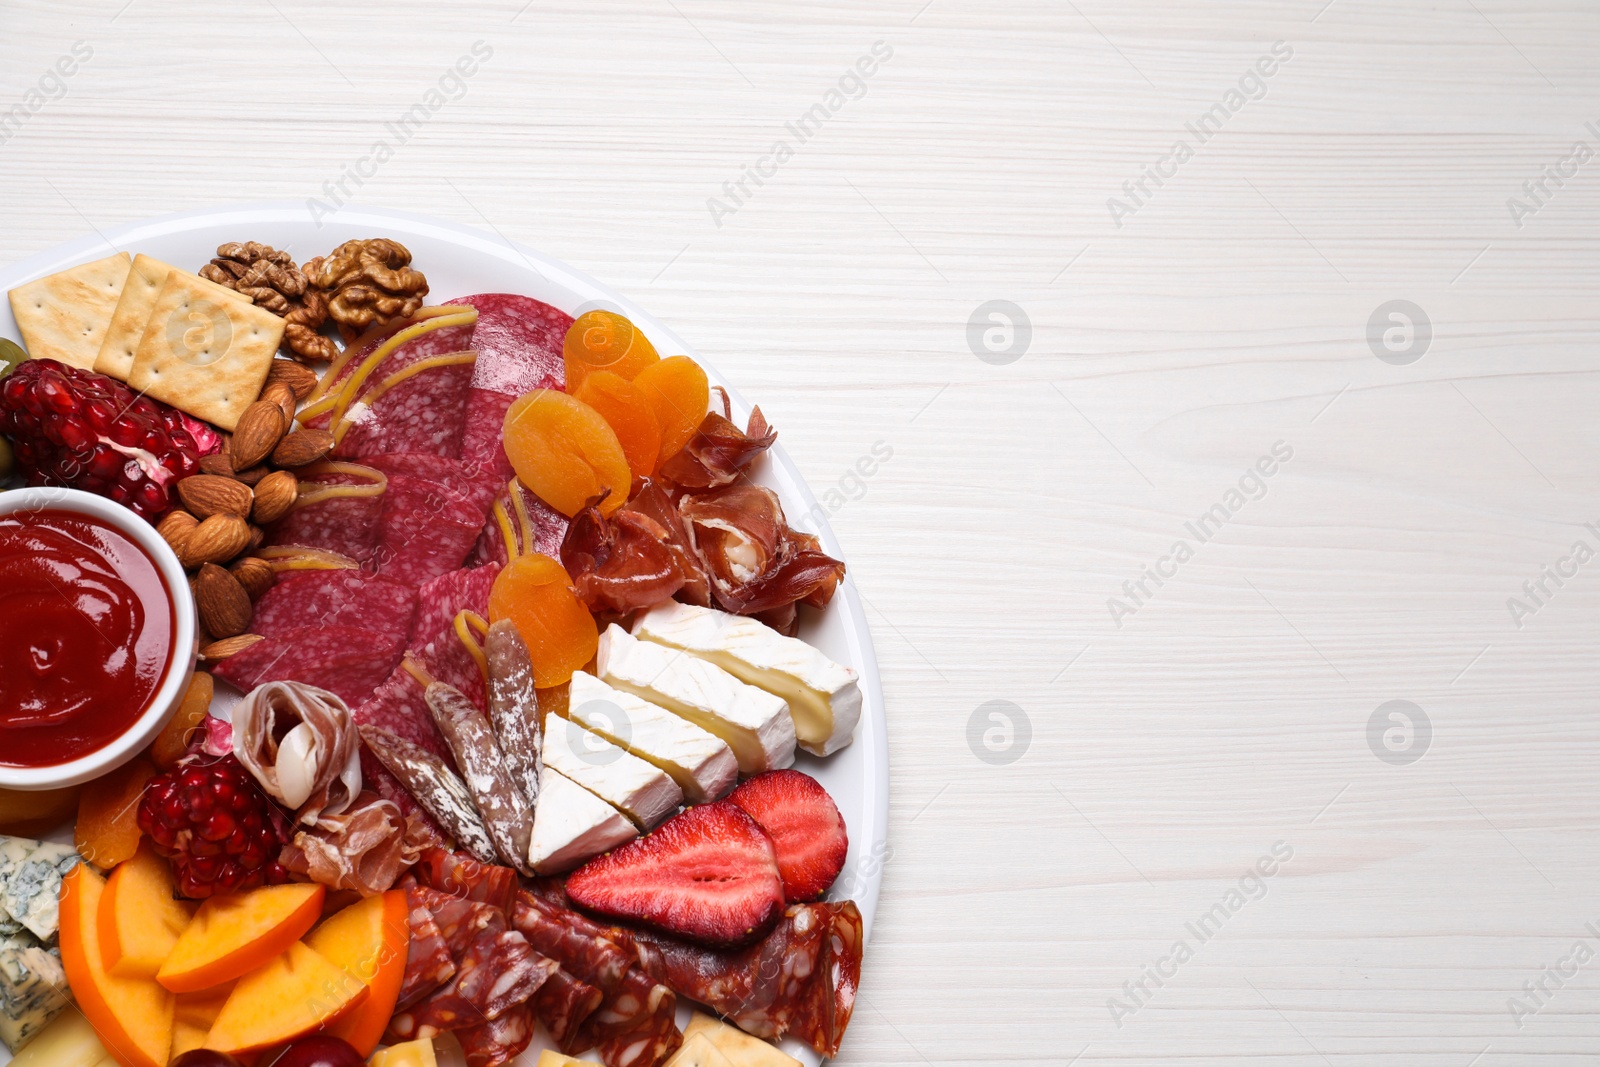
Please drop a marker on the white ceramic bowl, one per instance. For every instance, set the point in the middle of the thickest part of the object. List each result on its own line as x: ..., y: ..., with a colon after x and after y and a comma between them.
x: 180, y: 662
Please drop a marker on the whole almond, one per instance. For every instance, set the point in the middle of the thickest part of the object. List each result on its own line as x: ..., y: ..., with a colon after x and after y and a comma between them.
x: 255, y: 574
x: 280, y: 394
x: 258, y: 432
x: 216, y: 540
x: 224, y: 606
x: 302, y: 448
x: 252, y: 476
x: 258, y: 537
x: 274, y: 497
x: 176, y: 529
x: 220, y: 650
x: 206, y: 495
x: 297, y: 376
x: 218, y: 464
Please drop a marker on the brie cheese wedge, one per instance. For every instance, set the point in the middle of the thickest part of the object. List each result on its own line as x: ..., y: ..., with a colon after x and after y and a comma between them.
x: 571, y: 825
x: 640, y: 791
x: 754, y: 723
x: 823, y: 696
x: 700, y: 762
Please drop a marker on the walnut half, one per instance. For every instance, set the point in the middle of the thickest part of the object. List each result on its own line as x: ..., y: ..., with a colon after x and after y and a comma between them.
x: 367, y: 282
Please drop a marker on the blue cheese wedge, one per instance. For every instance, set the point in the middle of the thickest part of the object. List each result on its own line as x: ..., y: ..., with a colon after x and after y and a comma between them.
x: 642, y: 792
x: 30, y: 882
x: 33, y: 991
x: 823, y: 696
x: 571, y: 825
x: 700, y: 762
x: 754, y: 723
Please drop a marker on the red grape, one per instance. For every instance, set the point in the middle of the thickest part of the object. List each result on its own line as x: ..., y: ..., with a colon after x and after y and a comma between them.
x: 320, y: 1051
x: 204, y: 1057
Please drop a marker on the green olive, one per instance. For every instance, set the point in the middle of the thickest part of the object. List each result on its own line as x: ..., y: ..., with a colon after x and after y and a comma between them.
x: 11, y: 354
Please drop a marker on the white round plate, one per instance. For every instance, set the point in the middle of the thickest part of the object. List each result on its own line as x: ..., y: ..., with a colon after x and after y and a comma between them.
x: 460, y: 261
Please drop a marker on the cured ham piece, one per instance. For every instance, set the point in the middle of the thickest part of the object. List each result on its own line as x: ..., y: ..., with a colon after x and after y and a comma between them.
x: 719, y: 452
x: 639, y: 557
x: 757, y: 563
x: 299, y: 742
x: 363, y: 849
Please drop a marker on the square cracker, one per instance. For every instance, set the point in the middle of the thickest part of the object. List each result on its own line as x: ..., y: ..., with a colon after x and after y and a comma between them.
x: 139, y: 295
x: 202, y: 355
x: 65, y: 316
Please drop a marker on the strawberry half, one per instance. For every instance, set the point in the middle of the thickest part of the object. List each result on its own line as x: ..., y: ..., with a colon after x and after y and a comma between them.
x: 708, y: 875
x: 805, y: 827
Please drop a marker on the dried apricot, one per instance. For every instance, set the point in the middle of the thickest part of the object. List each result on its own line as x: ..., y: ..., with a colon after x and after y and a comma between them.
x: 677, y: 390
x: 534, y: 592
x: 566, y: 452
x: 173, y: 741
x: 107, y: 830
x: 621, y: 404
x: 604, y: 340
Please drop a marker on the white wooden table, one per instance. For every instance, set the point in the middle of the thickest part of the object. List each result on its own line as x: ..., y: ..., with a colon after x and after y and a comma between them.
x: 1227, y: 315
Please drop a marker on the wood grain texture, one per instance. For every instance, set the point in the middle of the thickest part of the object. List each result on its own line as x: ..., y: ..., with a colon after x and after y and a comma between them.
x: 1225, y: 314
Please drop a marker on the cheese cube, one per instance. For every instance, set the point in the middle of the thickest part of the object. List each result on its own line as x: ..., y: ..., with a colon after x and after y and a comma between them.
x: 823, y: 696
x: 410, y: 1054
x: 551, y: 1058
x: 33, y: 991
x: 753, y: 722
x: 640, y: 791
x: 30, y: 882
x: 737, y: 1047
x: 700, y: 762
x: 571, y: 825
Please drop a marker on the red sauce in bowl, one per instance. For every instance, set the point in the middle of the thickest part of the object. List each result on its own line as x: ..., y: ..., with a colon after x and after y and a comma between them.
x: 86, y: 632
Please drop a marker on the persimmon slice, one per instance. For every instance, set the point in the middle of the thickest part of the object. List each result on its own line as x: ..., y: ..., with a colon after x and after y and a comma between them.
x: 566, y: 452
x: 605, y: 341
x: 534, y: 592
x: 630, y: 416
x: 677, y: 391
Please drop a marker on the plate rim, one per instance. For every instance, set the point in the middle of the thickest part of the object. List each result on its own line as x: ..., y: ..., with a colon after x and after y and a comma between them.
x: 121, y: 237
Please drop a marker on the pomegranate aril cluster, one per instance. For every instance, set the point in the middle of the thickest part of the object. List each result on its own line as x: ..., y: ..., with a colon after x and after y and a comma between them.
x: 82, y: 430
x: 211, y: 819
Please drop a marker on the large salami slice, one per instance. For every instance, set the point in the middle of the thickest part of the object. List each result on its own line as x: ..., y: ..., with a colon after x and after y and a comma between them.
x: 384, y: 352
x: 534, y: 526
x: 519, y: 343
x: 336, y: 598
x: 444, y: 597
x: 346, y: 524
x: 345, y: 660
x: 428, y: 528
x: 397, y: 706
x: 432, y: 514
x: 420, y: 409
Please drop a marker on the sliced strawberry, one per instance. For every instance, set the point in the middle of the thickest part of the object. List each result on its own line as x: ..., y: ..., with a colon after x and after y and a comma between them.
x: 708, y: 875
x: 805, y: 826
